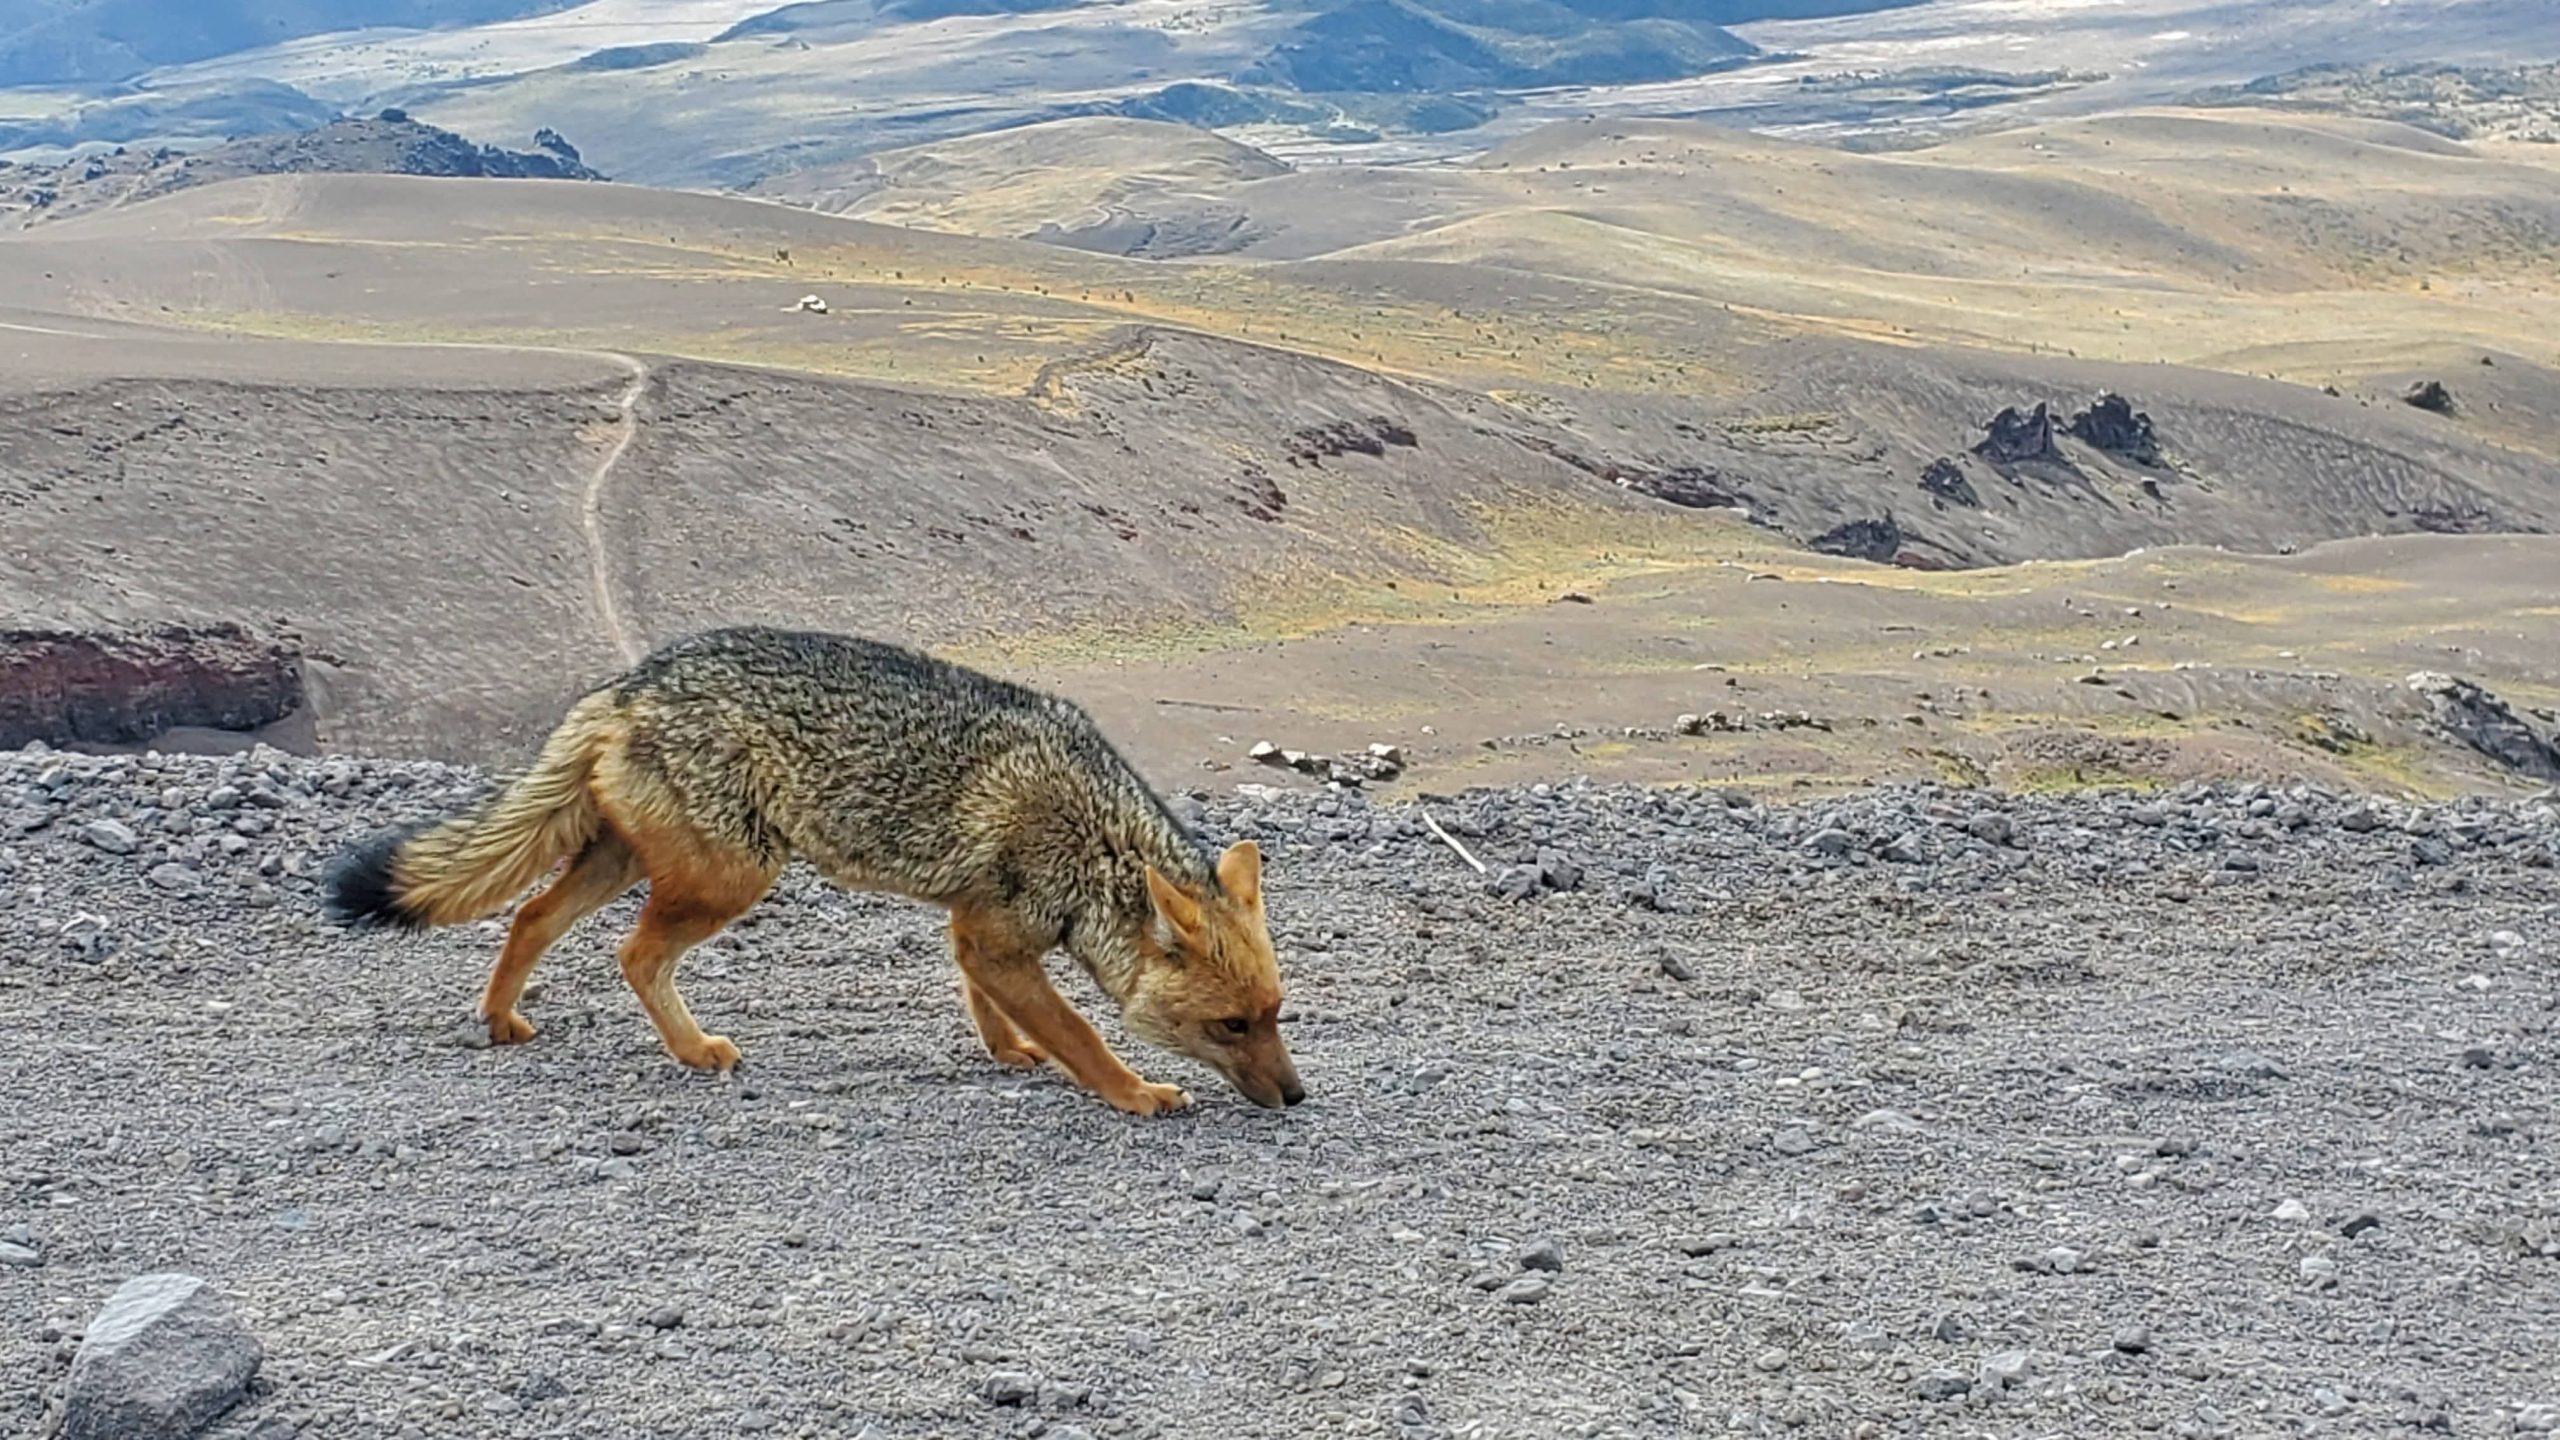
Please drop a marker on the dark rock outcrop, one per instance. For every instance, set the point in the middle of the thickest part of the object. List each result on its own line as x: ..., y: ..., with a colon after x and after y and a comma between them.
x: 70, y: 688
x: 2452, y: 518
x: 1876, y: 540
x: 1945, y: 479
x: 549, y: 139
x: 2113, y: 425
x: 2487, y: 724
x: 2430, y: 395
x: 1690, y: 486
x: 2013, y: 437
x: 1370, y: 436
x: 389, y: 143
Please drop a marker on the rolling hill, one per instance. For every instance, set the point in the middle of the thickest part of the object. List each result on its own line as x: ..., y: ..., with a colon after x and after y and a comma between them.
x: 1421, y: 397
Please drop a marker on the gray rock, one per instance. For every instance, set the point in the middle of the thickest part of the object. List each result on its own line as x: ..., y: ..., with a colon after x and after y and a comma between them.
x: 1992, y: 828
x: 1944, y: 1385
x: 1527, y: 1290
x: 1010, y: 1387
x: 113, y: 836
x: 2008, y: 1368
x: 1891, y: 1122
x: 165, y: 1357
x: 177, y: 879
x: 1542, y: 1253
x: 1559, y: 871
x: 2133, y: 1339
x: 1906, y: 848
x: 1831, y: 843
x: 1794, y: 1140
x: 1653, y: 892
x: 1515, y: 882
x: 19, y: 1257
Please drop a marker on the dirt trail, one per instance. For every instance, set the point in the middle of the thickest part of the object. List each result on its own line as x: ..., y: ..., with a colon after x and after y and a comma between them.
x: 591, y: 510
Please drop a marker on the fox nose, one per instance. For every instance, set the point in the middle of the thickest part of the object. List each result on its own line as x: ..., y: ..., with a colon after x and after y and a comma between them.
x: 1292, y: 1093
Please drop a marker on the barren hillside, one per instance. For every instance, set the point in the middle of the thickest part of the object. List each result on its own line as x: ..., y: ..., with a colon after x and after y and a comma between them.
x: 988, y: 442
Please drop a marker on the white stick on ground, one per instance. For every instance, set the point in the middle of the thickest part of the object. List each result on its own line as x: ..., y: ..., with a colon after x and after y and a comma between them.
x: 1449, y: 840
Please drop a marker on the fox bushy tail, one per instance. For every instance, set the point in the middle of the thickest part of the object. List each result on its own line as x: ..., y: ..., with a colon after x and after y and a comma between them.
x: 469, y: 867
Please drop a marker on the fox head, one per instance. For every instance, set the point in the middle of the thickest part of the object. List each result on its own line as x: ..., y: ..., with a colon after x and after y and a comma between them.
x: 1207, y: 984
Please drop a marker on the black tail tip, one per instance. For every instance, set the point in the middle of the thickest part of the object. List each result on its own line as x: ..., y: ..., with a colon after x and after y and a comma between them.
x: 359, y: 891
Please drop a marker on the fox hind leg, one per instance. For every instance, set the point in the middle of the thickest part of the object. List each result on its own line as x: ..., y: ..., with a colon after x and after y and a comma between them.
x: 594, y: 879
x: 696, y: 886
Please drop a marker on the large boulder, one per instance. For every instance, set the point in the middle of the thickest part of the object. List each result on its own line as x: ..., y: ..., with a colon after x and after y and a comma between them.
x: 1876, y: 540
x: 68, y: 687
x: 2430, y: 395
x: 165, y: 1358
x: 2113, y: 425
x: 2013, y: 437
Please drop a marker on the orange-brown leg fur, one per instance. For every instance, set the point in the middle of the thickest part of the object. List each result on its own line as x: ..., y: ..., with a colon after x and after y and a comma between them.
x: 695, y: 888
x: 1003, y: 1039
x: 598, y: 875
x: 1007, y: 971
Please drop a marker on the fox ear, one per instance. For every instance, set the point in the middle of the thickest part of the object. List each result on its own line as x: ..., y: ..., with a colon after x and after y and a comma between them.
x: 1179, y: 911
x: 1240, y: 873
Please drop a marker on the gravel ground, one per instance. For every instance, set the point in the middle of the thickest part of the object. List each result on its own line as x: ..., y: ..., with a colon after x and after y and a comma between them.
x: 2221, y: 1112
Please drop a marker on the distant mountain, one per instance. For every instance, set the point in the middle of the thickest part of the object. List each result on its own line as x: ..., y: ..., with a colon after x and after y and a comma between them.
x: 389, y: 144
x: 817, y: 17
x: 185, y: 116
x: 1432, y: 46
x: 52, y: 42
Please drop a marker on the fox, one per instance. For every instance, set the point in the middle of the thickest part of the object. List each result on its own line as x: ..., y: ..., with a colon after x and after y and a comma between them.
x: 713, y: 761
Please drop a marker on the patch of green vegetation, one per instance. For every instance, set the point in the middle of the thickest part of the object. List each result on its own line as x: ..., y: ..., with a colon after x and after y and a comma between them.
x: 2075, y: 779
x: 1958, y: 769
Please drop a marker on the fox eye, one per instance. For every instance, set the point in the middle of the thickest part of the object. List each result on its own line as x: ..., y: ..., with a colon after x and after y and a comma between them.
x: 1236, y: 1026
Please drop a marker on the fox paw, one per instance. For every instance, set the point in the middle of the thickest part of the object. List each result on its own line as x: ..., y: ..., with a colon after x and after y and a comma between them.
x: 1147, y: 1099
x: 714, y: 1053
x: 1024, y: 1056
x: 510, y: 1028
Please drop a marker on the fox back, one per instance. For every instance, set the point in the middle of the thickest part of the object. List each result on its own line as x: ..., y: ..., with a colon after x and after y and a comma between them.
x: 892, y: 770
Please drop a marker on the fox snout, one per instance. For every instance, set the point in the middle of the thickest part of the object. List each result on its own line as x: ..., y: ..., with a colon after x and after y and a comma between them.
x: 1269, y: 1093
x: 1268, y: 1081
